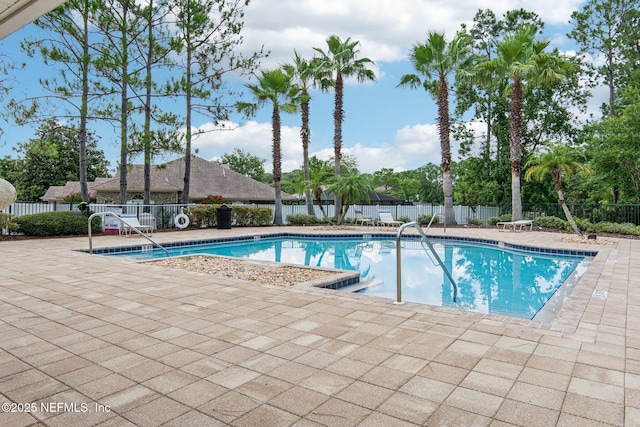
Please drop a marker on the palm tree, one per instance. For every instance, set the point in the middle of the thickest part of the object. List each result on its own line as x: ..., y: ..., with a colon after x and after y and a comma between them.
x: 352, y: 189
x: 277, y: 88
x: 558, y: 162
x: 436, y: 60
x: 337, y: 63
x: 320, y: 175
x: 306, y: 75
x: 521, y: 59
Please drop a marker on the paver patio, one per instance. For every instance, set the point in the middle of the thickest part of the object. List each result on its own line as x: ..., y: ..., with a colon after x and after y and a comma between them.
x: 94, y: 340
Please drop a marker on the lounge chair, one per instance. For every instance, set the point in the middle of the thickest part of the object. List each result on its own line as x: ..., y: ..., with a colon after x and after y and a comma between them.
x: 131, y: 221
x: 362, y: 220
x: 519, y: 225
x: 386, y: 219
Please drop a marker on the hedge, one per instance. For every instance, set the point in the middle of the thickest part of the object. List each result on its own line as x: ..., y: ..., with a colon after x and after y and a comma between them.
x: 206, y: 216
x: 57, y: 223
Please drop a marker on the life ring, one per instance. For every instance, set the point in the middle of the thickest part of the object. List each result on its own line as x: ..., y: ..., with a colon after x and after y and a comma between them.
x: 181, y: 221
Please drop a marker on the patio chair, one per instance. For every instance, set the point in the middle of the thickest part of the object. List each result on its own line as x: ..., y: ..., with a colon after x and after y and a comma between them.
x: 519, y: 225
x: 386, y: 219
x: 131, y: 221
x: 362, y: 220
x: 147, y: 218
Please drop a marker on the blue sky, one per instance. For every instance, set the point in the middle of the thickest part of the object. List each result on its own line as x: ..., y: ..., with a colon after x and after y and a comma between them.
x: 384, y: 126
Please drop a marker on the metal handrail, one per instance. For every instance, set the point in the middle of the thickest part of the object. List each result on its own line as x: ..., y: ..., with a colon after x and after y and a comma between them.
x: 424, y: 239
x: 123, y: 222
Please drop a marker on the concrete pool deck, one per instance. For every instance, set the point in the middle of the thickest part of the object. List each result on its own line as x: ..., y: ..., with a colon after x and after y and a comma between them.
x: 94, y: 340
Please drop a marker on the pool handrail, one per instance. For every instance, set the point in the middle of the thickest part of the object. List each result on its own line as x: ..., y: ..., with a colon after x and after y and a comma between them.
x: 124, y: 223
x: 424, y: 239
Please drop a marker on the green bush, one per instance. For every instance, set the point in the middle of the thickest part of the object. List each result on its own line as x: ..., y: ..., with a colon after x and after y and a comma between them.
x: 404, y: 219
x: 496, y: 219
x: 551, y: 222
x: 615, y: 228
x: 206, y: 216
x: 474, y: 221
x: 59, y: 223
x: 6, y: 223
x: 247, y: 216
x: 302, y: 219
x: 426, y: 219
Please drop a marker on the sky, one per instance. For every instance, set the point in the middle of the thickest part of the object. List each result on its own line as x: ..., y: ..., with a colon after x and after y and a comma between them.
x: 384, y: 126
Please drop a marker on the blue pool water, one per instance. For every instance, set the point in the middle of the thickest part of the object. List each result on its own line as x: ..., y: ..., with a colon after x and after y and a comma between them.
x: 491, y: 279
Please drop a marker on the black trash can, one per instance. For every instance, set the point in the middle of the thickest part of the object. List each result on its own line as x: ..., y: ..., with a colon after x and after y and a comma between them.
x: 224, y: 217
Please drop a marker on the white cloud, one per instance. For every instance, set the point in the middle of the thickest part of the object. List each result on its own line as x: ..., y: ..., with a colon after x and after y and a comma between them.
x: 412, y: 147
x: 386, y: 29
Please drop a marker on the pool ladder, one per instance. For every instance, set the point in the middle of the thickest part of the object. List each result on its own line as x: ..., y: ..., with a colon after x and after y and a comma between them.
x: 427, y: 246
x: 124, y: 223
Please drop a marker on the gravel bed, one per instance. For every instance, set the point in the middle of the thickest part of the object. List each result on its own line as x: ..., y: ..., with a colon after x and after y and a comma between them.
x: 254, y: 271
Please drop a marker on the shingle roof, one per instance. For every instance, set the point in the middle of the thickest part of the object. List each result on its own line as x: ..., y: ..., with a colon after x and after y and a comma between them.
x: 59, y: 192
x: 207, y: 178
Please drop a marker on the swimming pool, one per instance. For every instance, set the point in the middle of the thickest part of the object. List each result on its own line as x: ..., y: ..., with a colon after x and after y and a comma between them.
x: 491, y: 277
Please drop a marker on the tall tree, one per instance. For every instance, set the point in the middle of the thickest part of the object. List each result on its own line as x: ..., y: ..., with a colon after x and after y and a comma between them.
x: 613, y: 146
x: 306, y: 73
x: 436, y: 60
x: 522, y: 59
x: 51, y: 158
x: 337, y: 63
x: 154, y: 51
x: 558, y: 163
x: 208, y: 33
x: 609, y: 29
x: 121, y: 25
x: 73, y: 50
x: 244, y: 163
x: 275, y: 87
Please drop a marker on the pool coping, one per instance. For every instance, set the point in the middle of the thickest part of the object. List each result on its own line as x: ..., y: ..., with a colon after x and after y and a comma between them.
x: 498, y: 243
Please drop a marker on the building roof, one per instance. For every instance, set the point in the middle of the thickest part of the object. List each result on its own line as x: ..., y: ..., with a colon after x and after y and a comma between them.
x: 57, y: 193
x: 207, y: 178
x: 14, y: 14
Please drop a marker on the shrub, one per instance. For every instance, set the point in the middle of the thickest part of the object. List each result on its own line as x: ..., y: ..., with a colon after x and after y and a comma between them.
x: 404, y: 219
x: 214, y: 200
x: 203, y: 216
x: 206, y: 216
x: 247, y: 216
x: 474, y: 221
x: 551, y: 222
x: 615, y: 228
x: 59, y: 223
x: 496, y: 219
x: 426, y: 219
x: 6, y: 223
x: 302, y: 219
x: 73, y: 198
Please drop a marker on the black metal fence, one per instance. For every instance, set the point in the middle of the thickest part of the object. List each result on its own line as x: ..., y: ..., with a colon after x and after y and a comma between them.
x: 593, y: 212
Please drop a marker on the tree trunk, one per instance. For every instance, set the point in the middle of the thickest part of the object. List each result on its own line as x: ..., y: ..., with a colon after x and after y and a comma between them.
x: 82, y: 149
x: 445, y: 150
x: 515, y: 132
x: 124, y: 111
x: 277, y: 165
x: 337, y: 138
x: 306, y: 134
x: 558, y: 184
x: 147, y: 113
x: 567, y: 213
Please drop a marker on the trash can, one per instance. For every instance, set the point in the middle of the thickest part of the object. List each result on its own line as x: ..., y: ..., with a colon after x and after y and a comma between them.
x: 224, y: 217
